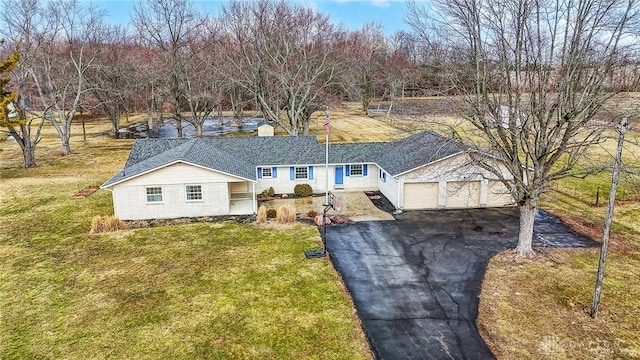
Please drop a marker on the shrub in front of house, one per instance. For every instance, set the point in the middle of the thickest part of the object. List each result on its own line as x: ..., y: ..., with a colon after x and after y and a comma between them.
x: 312, y: 213
x: 105, y: 224
x: 270, y: 191
x: 261, y: 217
x: 271, y: 213
x: 303, y: 190
x: 286, y: 214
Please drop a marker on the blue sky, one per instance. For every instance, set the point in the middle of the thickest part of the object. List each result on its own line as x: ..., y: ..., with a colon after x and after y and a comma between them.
x: 352, y: 13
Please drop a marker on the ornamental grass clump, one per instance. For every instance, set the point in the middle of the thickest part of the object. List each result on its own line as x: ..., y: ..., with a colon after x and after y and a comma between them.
x: 261, y: 217
x: 105, y: 224
x: 286, y: 214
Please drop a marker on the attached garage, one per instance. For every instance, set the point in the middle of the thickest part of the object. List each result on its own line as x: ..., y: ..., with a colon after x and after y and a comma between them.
x: 420, y: 195
x: 498, y: 194
x: 463, y: 194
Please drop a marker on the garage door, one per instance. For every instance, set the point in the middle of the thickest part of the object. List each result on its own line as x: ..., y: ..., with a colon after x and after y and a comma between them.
x: 498, y: 194
x: 462, y: 194
x: 420, y: 195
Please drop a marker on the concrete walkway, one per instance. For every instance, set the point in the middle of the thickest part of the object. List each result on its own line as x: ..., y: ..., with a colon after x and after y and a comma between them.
x: 415, y: 281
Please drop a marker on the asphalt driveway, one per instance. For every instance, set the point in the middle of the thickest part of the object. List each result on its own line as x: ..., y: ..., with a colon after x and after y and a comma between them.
x: 415, y: 281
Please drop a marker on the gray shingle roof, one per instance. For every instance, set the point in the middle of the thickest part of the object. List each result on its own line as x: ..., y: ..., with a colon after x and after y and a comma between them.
x: 241, y: 156
x: 416, y: 151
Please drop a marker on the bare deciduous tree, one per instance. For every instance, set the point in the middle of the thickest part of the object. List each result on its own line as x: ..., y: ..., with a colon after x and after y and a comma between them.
x: 25, y: 27
x: 170, y: 26
x: 204, y: 83
x: 366, y: 50
x: 539, y: 74
x: 285, y: 55
x: 110, y: 80
x: 67, y: 52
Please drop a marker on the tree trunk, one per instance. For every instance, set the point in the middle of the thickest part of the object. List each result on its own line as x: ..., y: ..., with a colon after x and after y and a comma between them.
x: 29, y: 155
x: 179, y: 126
x: 305, y: 130
x: 115, y: 123
x: 528, y: 213
x: 27, y: 146
x: 66, y: 147
x: 149, y: 120
x: 198, y: 125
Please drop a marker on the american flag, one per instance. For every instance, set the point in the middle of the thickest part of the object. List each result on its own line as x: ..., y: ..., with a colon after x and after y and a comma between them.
x: 326, y: 123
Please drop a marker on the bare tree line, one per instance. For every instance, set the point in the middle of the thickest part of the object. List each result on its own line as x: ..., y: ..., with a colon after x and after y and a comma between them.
x: 281, y: 59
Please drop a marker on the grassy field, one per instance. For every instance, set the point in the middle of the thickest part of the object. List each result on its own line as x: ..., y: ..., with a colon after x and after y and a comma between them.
x: 206, y: 290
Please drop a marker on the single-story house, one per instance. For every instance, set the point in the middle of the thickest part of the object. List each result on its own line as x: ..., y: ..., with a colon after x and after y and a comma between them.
x: 172, y: 178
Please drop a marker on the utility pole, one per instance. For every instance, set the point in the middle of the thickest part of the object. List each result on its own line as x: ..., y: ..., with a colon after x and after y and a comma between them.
x: 608, y: 220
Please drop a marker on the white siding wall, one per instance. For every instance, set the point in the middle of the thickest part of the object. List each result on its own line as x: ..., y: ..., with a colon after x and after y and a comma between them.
x: 360, y: 182
x: 282, y: 183
x: 457, y: 168
x: 389, y: 189
x: 130, y: 201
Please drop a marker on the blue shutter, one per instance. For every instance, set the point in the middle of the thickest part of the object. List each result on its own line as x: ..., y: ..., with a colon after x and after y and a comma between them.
x: 347, y: 171
x: 310, y: 172
x: 259, y: 173
x: 292, y: 173
x: 364, y: 170
x: 384, y: 177
x: 274, y: 172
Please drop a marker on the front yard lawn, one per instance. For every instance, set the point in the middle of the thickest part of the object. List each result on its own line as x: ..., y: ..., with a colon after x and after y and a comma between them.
x: 205, y: 290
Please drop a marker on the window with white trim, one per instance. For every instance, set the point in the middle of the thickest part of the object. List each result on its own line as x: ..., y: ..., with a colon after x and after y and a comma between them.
x: 154, y: 194
x: 302, y: 173
x: 355, y: 170
x: 266, y: 173
x: 194, y: 192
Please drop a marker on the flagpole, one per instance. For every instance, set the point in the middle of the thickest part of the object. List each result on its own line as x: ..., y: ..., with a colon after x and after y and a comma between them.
x: 326, y: 154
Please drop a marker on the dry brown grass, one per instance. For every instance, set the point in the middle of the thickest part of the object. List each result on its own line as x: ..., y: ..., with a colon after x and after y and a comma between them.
x: 261, y: 217
x: 349, y: 124
x: 286, y: 214
x: 539, y: 308
x: 106, y: 224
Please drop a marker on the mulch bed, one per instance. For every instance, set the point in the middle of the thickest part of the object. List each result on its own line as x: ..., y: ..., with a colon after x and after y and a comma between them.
x: 380, y: 201
x: 86, y: 192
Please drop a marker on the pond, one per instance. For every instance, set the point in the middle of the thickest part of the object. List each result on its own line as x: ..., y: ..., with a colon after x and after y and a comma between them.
x: 211, y: 127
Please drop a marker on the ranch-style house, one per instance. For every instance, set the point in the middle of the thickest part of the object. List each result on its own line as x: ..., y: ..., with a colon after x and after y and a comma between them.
x: 174, y: 178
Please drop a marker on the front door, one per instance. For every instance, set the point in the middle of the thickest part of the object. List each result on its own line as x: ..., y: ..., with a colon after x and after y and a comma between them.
x: 339, y: 173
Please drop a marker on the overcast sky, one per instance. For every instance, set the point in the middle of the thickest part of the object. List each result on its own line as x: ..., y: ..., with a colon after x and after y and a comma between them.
x: 352, y: 13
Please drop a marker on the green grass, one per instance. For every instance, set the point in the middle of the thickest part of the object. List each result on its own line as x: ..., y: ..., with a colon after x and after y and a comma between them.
x: 206, y: 290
